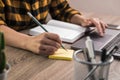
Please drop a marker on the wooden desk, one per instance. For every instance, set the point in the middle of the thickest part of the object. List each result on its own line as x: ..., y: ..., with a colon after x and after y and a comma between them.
x: 28, y: 66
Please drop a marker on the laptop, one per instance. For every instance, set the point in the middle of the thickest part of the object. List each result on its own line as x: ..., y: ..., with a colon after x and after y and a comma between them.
x: 111, y: 38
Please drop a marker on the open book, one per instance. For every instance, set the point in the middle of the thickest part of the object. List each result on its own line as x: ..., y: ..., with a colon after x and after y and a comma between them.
x: 68, y: 32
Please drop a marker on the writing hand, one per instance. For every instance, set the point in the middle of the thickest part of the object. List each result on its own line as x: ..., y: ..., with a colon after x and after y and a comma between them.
x: 45, y: 43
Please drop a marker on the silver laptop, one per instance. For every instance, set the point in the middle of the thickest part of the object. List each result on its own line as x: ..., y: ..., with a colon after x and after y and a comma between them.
x: 110, y: 38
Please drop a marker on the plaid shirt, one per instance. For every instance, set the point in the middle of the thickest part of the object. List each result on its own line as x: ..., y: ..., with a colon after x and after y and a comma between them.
x: 13, y: 13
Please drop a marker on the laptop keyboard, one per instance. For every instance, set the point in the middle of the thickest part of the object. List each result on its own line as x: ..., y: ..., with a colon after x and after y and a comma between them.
x: 115, y: 41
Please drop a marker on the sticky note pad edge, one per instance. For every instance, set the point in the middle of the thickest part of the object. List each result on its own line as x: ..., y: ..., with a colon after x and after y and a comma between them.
x: 60, y: 58
x: 61, y: 54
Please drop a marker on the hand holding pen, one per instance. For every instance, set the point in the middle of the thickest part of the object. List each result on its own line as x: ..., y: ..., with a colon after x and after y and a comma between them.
x: 38, y: 23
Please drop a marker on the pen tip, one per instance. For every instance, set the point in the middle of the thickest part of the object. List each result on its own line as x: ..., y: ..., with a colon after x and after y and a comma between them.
x: 63, y: 47
x: 66, y: 50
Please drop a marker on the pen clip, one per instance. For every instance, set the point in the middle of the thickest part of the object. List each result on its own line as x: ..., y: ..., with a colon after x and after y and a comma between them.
x: 103, y: 55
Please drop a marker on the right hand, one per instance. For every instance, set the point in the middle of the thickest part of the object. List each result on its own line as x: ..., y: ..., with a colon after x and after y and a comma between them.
x: 45, y: 43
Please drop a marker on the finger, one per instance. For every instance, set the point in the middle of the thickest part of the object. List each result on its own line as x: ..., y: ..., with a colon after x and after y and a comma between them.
x: 97, y: 23
x: 45, y: 53
x: 103, y: 26
x: 54, y: 37
x: 47, y: 50
x: 50, y: 42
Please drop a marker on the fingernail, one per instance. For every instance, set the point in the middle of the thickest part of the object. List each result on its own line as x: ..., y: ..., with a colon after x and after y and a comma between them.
x: 102, y: 34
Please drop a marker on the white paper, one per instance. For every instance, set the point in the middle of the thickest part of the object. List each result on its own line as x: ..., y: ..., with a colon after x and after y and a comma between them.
x: 67, y: 32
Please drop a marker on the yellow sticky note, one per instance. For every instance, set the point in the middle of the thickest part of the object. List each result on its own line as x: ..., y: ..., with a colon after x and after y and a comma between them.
x: 62, y: 54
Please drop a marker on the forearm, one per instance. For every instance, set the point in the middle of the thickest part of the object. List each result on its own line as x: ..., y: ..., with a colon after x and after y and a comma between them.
x: 14, y: 38
x: 78, y: 19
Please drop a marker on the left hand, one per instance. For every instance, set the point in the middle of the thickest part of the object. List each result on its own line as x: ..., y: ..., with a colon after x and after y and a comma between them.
x: 87, y: 22
x: 100, y: 25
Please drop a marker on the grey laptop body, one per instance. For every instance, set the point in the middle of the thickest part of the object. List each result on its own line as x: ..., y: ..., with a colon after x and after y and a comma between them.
x: 111, y: 38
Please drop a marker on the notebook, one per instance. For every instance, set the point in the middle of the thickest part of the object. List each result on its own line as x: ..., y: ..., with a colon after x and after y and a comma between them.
x: 62, y: 54
x: 68, y: 32
x: 111, y: 38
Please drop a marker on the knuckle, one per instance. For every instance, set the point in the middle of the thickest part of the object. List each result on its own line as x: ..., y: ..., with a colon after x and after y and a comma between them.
x: 52, y: 49
x: 45, y: 34
x: 40, y: 47
x: 41, y: 40
x: 55, y: 35
x: 97, y: 24
x: 57, y: 45
x: 38, y: 51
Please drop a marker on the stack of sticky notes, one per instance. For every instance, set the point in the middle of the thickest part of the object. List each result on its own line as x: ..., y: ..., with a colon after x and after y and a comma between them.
x: 62, y: 54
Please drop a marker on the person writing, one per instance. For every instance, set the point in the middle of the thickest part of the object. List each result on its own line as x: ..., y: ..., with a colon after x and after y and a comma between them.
x: 13, y: 18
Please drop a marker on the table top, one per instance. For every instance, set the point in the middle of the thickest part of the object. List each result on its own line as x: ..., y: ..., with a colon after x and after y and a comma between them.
x: 27, y: 66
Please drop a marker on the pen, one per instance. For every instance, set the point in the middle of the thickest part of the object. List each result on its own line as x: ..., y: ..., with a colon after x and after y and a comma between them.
x: 91, y: 69
x: 85, y: 53
x: 90, y: 47
x: 91, y: 73
x: 91, y: 54
x: 103, y: 55
x: 106, y: 54
x: 37, y: 22
x: 112, y: 51
x: 102, y: 68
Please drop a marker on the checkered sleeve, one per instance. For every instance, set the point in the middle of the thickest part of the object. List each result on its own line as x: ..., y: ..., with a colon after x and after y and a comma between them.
x: 2, y: 15
x: 61, y: 10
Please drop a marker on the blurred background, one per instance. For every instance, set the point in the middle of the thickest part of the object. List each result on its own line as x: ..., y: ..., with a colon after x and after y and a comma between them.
x: 108, y: 7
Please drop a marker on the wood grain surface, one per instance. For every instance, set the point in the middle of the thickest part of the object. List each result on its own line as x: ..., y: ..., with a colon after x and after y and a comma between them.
x: 27, y: 66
